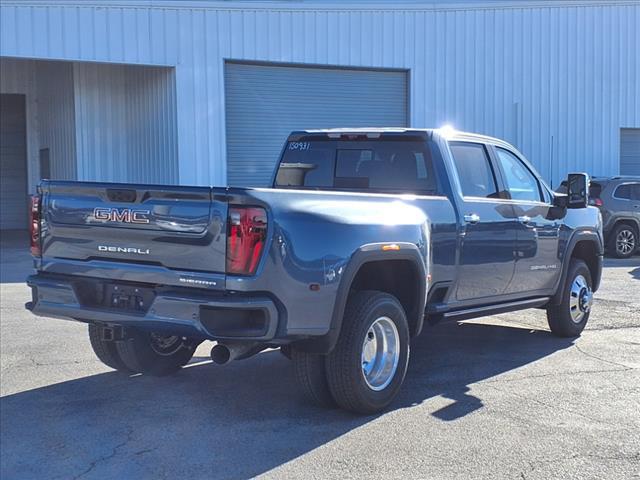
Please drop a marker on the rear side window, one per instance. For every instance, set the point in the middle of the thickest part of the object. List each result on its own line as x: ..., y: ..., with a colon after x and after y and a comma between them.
x: 628, y: 191
x: 595, y: 189
x: 476, y: 176
x: 383, y: 165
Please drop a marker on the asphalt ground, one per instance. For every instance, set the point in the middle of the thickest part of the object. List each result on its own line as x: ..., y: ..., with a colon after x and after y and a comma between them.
x: 498, y: 397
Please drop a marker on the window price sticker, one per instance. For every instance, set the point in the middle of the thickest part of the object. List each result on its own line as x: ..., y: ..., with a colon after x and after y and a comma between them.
x: 300, y: 146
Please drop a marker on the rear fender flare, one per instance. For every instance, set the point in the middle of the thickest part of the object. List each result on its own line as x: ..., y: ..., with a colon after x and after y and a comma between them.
x: 367, y: 254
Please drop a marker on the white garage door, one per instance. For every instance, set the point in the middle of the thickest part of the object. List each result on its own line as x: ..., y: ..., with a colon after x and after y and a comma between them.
x: 630, y: 151
x: 264, y: 103
x: 13, y: 162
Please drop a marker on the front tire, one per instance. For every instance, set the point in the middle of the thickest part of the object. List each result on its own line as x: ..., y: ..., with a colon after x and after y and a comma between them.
x: 154, y: 354
x: 623, y: 241
x: 569, y: 318
x: 366, y: 368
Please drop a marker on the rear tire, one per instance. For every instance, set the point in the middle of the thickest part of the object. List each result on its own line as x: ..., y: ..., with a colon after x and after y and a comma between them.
x: 366, y: 368
x: 311, y: 377
x: 106, y: 351
x: 153, y: 354
x: 623, y: 241
x: 569, y: 318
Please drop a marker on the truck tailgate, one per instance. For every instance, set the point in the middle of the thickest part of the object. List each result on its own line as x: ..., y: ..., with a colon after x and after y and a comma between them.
x: 150, y: 233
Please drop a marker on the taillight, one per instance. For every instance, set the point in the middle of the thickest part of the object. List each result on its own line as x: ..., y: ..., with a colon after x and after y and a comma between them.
x: 34, y: 225
x: 246, y: 235
x: 598, y: 202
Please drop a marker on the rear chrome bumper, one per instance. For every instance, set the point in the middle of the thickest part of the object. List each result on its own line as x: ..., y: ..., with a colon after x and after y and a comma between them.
x: 199, y: 314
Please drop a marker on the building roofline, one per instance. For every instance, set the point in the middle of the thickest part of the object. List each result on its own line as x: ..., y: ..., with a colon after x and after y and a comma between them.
x: 324, y: 5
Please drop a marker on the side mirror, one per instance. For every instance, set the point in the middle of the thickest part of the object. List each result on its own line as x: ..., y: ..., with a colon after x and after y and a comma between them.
x: 577, y: 190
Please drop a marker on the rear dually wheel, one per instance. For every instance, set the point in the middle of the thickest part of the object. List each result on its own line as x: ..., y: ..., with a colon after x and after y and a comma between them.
x: 154, y: 353
x: 366, y: 368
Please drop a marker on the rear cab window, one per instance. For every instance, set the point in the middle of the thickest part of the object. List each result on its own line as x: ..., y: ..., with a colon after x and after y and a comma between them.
x: 475, y: 173
x: 398, y: 164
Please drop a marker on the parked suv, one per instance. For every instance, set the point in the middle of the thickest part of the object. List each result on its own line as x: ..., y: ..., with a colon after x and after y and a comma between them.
x: 618, y: 199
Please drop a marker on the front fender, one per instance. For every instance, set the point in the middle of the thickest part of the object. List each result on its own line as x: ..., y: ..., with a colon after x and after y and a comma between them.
x: 591, y: 235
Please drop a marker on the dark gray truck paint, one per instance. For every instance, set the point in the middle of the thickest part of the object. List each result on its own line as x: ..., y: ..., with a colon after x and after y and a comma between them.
x: 318, y: 242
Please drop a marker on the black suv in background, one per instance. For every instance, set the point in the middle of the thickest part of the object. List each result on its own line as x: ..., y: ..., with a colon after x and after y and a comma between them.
x: 618, y: 199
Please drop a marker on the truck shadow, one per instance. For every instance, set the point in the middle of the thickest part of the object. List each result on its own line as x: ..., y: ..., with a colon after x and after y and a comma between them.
x: 236, y: 421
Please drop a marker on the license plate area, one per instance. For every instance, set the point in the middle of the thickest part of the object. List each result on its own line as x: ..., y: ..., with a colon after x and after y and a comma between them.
x: 128, y: 298
x: 111, y: 296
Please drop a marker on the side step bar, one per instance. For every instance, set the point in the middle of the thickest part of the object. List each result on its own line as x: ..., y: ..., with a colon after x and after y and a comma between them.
x: 484, y: 311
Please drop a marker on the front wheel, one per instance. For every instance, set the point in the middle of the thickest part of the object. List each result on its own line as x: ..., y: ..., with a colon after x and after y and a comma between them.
x: 569, y: 318
x: 624, y: 241
x: 154, y: 353
x: 366, y: 368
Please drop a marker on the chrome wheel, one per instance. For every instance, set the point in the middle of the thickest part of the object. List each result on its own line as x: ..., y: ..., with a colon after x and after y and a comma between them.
x: 380, y: 353
x: 165, y: 345
x: 625, y: 242
x: 581, y: 299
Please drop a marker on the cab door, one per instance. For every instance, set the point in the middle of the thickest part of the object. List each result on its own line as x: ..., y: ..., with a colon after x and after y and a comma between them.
x: 537, y: 264
x: 488, y: 236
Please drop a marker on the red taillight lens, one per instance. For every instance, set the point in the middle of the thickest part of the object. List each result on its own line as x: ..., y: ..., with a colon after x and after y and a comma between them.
x: 246, y: 235
x: 34, y: 225
x: 598, y: 202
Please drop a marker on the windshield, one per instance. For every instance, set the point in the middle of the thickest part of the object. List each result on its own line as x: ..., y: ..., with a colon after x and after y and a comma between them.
x: 382, y: 165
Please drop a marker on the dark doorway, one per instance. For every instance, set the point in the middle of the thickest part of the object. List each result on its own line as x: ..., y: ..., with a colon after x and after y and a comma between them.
x: 13, y: 162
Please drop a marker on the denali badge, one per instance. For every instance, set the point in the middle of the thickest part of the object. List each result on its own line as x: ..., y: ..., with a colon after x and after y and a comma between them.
x: 123, y: 215
x: 109, y: 248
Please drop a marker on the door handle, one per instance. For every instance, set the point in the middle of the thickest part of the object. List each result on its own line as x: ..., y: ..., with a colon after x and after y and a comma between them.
x: 524, y: 219
x: 472, y: 218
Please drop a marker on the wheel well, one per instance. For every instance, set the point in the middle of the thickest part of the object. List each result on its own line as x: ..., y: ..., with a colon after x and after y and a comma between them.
x: 628, y: 222
x: 399, y: 278
x: 587, y: 251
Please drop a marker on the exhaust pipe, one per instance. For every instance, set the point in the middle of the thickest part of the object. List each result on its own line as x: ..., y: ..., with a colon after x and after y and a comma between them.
x: 222, y: 354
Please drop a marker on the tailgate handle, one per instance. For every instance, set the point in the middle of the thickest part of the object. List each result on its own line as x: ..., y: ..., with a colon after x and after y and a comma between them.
x: 121, y: 195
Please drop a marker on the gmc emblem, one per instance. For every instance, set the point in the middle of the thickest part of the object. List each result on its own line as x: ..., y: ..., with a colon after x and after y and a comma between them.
x: 122, y: 215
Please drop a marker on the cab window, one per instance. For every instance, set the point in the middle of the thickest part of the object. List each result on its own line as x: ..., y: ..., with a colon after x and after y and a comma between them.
x: 476, y: 176
x: 520, y: 183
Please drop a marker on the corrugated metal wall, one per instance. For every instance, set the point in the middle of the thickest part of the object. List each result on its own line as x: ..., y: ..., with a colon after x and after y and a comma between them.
x: 126, y: 123
x: 56, y: 117
x: 558, y: 79
x: 100, y: 101
x: 152, y: 146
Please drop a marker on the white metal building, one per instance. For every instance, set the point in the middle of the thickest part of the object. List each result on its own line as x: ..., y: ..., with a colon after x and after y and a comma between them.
x: 205, y: 92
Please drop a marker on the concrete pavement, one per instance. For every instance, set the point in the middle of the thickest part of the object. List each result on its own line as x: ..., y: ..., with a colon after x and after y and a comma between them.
x: 499, y: 397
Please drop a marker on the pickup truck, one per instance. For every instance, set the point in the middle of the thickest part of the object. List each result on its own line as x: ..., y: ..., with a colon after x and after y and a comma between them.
x: 365, y: 236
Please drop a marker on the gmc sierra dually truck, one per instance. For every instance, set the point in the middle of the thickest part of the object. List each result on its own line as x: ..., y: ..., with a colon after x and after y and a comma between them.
x: 365, y: 235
